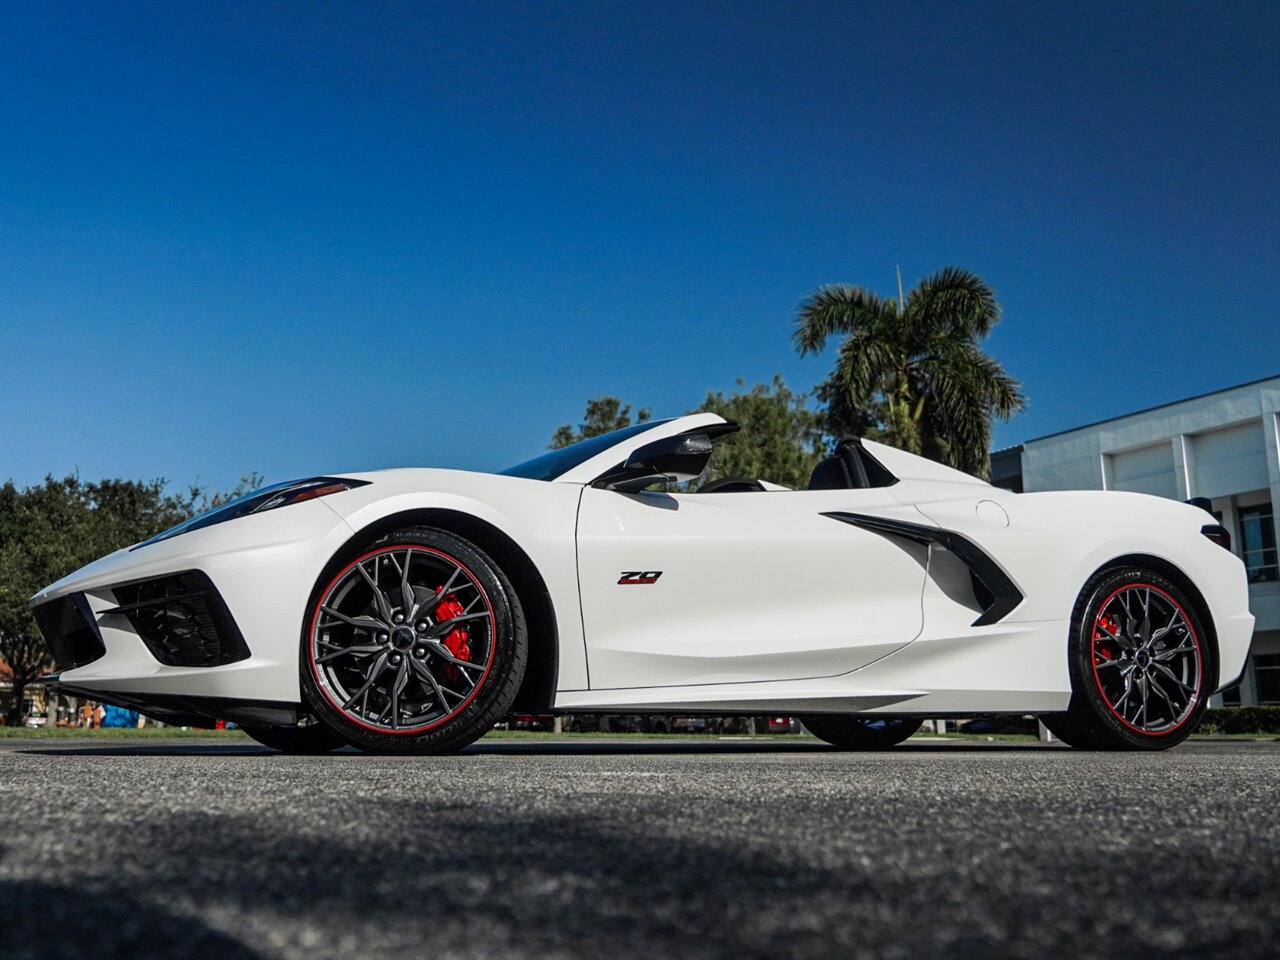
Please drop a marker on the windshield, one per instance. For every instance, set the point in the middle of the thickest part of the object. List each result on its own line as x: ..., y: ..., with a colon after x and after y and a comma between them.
x: 558, y: 462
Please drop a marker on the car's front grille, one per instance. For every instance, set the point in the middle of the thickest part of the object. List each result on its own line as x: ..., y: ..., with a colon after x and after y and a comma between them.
x: 182, y: 619
x: 69, y: 631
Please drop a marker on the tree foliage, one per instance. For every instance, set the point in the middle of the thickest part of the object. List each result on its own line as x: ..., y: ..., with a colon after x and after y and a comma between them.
x: 49, y: 530
x: 780, y: 439
x: 914, y: 369
x: 603, y: 414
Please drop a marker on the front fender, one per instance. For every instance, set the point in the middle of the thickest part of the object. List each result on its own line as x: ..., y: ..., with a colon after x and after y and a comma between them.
x: 537, y: 516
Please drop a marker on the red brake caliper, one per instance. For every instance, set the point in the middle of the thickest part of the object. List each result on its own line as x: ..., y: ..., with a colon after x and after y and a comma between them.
x: 1105, y: 649
x: 457, y: 641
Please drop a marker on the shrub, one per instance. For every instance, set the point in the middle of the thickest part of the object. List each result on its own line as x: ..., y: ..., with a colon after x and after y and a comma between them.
x: 1241, y: 720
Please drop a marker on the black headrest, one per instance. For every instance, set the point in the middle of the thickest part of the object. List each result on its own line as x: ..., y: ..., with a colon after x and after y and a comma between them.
x: 830, y: 474
x: 849, y: 468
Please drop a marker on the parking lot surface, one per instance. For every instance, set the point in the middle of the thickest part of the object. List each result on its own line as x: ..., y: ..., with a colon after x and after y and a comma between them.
x: 638, y: 849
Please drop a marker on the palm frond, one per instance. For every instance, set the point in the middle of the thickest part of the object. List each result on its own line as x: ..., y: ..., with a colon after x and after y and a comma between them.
x: 953, y: 300
x: 960, y: 384
x: 838, y: 308
x: 867, y: 363
x: 1001, y: 393
x: 921, y: 373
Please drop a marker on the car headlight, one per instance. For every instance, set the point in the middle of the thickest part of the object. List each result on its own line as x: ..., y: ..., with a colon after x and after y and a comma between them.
x: 268, y: 498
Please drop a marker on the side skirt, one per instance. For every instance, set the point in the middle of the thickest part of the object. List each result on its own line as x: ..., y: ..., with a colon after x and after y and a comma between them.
x: 190, y: 711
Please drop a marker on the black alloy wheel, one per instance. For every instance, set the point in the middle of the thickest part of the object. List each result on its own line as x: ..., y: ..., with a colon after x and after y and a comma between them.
x: 415, y: 644
x: 853, y: 732
x: 1141, y: 666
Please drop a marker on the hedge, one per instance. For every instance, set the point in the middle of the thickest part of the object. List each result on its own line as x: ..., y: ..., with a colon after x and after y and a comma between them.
x: 1241, y: 720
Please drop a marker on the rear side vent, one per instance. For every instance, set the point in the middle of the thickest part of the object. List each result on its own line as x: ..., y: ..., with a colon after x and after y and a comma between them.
x: 69, y: 631
x: 182, y: 619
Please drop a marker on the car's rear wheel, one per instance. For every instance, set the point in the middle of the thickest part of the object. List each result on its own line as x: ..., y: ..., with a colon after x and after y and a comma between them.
x: 314, y: 738
x: 1141, y: 666
x: 851, y: 732
x: 415, y: 644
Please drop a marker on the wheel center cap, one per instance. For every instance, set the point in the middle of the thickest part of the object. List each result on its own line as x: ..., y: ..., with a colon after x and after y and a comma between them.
x: 402, y: 638
x: 1143, y: 657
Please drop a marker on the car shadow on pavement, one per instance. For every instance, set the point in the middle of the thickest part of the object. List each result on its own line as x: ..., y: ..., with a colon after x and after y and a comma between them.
x: 726, y: 746
x: 543, y: 748
x: 91, y: 918
x: 355, y: 872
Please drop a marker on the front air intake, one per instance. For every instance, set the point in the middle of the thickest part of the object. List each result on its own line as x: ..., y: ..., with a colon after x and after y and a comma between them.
x: 70, y: 631
x: 182, y: 619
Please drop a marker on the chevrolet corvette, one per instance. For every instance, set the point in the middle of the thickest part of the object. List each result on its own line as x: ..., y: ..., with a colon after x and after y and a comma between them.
x: 410, y: 610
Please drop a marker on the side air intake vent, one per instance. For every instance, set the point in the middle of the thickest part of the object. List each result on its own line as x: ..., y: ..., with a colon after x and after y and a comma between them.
x: 69, y: 631
x: 182, y: 619
x: 992, y: 588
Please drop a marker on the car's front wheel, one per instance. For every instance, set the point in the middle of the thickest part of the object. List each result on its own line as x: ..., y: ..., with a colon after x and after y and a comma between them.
x: 850, y: 732
x: 415, y: 644
x: 1141, y: 666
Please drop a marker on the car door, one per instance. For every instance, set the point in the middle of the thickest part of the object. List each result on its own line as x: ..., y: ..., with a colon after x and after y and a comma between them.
x: 682, y: 589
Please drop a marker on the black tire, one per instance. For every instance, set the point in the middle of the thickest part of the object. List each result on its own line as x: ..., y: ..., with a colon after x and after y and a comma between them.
x: 442, y: 725
x: 853, y: 732
x: 311, y: 740
x: 1112, y: 654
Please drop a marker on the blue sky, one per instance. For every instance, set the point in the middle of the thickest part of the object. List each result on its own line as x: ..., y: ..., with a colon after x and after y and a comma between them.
x: 299, y: 238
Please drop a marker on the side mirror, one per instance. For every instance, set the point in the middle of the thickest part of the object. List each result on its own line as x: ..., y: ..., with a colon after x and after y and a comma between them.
x: 671, y: 459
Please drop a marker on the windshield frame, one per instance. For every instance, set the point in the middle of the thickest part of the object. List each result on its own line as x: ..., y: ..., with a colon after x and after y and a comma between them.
x: 556, y: 463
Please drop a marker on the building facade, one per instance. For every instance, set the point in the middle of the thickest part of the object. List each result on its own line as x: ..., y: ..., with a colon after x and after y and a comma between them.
x: 1224, y: 446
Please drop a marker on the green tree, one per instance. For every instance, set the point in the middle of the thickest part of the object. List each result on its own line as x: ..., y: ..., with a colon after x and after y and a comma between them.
x: 780, y: 439
x: 603, y: 415
x: 49, y: 530
x: 914, y: 366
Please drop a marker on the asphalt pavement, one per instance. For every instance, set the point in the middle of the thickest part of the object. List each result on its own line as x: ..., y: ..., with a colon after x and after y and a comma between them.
x: 638, y: 849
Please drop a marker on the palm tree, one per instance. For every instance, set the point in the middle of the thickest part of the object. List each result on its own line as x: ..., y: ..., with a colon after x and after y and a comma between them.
x: 915, y: 363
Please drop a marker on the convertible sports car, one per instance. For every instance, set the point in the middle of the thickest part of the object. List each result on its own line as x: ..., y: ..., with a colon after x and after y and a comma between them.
x: 410, y: 610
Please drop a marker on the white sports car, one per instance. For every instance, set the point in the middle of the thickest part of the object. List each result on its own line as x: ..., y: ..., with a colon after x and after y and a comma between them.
x: 410, y: 610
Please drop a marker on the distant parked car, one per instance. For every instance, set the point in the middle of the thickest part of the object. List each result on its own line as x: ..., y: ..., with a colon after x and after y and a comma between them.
x: 531, y: 721
x: 35, y: 721
x: 689, y: 725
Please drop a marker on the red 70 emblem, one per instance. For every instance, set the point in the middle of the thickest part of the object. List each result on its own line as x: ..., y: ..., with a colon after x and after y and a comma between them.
x: 639, y: 576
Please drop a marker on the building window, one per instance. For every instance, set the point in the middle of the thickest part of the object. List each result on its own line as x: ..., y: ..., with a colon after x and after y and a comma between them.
x: 1266, y: 675
x: 1258, y: 543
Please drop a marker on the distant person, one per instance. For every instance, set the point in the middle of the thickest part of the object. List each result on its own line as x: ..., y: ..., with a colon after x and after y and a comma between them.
x: 98, y: 715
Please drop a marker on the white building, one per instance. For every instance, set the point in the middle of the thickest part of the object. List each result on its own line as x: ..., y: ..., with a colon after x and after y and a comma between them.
x: 1223, y: 445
